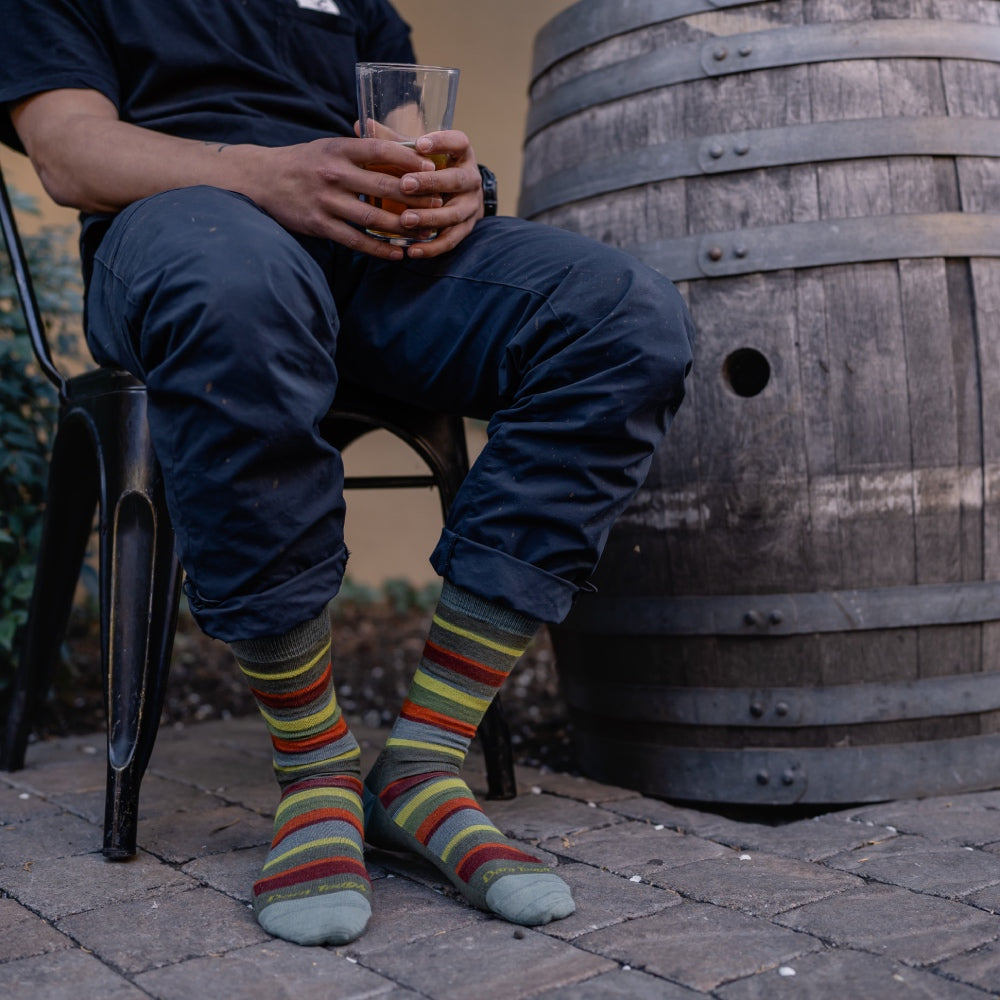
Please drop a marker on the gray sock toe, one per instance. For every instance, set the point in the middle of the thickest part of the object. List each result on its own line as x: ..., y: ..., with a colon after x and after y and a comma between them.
x: 530, y: 900
x: 335, y: 918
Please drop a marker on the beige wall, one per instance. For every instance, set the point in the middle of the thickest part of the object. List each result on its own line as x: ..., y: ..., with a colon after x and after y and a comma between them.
x: 390, y: 534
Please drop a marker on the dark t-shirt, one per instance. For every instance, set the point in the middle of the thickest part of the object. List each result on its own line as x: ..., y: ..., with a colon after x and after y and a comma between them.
x: 272, y: 72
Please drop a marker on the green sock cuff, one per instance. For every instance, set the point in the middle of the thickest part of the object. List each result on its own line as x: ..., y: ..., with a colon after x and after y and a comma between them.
x: 290, y: 646
x: 499, y: 617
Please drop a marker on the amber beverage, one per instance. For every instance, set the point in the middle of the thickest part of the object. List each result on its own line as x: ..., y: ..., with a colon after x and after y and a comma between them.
x: 439, y: 160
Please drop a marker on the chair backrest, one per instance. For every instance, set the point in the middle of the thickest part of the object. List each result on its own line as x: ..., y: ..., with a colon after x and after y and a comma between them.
x: 26, y: 291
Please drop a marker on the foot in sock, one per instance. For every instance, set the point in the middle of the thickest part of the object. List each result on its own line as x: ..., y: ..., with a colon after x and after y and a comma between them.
x: 435, y: 816
x: 313, y: 888
x: 414, y: 799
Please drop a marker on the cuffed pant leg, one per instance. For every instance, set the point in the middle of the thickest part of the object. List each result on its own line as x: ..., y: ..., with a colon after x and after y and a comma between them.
x: 232, y: 327
x: 577, y: 354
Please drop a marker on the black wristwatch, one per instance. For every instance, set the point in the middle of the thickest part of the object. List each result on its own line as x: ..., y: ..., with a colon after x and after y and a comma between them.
x: 489, y: 190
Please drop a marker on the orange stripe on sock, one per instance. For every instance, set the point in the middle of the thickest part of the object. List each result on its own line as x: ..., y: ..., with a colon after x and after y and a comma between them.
x: 295, y: 699
x: 463, y: 666
x: 335, y: 732
x: 314, y: 817
x: 426, y: 829
x: 418, y: 713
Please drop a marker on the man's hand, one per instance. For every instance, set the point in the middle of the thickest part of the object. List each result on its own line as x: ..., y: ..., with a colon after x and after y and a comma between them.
x: 458, y: 185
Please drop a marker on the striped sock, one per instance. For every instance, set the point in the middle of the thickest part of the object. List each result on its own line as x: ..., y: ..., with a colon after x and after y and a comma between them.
x: 414, y: 799
x: 313, y: 888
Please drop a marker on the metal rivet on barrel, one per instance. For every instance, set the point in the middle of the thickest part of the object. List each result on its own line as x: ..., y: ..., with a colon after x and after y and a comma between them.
x: 716, y: 151
x: 719, y: 54
x: 740, y: 251
x: 745, y: 50
x: 756, y: 709
x: 715, y: 253
x: 752, y: 618
x: 741, y: 148
x: 776, y: 617
x: 781, y: 708
x: 788, y: 777
x: 763, y: 777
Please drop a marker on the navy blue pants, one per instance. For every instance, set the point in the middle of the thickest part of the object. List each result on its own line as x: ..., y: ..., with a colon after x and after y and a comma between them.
x: 575, y: 353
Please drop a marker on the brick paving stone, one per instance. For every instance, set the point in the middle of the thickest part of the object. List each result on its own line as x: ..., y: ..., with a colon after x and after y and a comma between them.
x: 404, y: 911
x: 179, y: 837
x: 986, y: 899
x: 17, y: 805
x: 909, y: 926
x: 913, y: 862
x: 699, y: 945
x: 980, y: 967
x: 622, y: 984
x: 233, y: 873
x: 761, y: 885
x: 57, y: 888
x: 534, y: 818
x: 812, y: 839
x: 276, y: 970
x: 603, y: 899
x: 53, y: 835
x: 23, y: 934
x: 837, y: 974
x: 492, y: 961
x: 693, y: 822
x: 75, y: 770
x: 634, y: 848
x: 65, y: 975
x: 168, y: 928
x: 571, y: 786
x: 972, y: 819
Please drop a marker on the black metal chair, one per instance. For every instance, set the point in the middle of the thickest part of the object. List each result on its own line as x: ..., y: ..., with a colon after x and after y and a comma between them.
x: 102, y: 459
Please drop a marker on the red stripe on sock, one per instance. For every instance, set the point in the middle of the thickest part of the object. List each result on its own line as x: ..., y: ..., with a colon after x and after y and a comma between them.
x: 478, y: 856
x: 418, y: 713
x: 463, y: 666
x: 295, y: 699
x: 426, y: 829
x: 311, y: 872
x: 394, y: 789
x: 312, y: 818
x: 349, y: 782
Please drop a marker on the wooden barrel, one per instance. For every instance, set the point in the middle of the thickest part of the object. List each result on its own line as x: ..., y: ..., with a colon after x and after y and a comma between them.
x: 802, y: 605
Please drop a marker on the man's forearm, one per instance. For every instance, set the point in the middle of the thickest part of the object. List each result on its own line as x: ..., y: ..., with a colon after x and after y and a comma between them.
x: 88, y: 159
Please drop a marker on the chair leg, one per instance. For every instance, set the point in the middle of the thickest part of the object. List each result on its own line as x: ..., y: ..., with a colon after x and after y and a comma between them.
x: 140, y: 590
x: 72, y: 494
x: 494, y: 736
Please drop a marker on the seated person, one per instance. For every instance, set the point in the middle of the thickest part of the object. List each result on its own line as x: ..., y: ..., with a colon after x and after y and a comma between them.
x: 211, y: 150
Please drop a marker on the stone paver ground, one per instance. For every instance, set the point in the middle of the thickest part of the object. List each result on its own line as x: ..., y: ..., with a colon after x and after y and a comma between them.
x: 900, y: 899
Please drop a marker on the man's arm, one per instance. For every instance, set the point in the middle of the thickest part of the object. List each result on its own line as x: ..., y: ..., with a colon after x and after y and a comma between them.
x: 89, y: 159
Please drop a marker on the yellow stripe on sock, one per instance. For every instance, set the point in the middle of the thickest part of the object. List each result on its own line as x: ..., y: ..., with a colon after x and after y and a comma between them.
x: 423, y: 680
x: 462, y: 834
x: 317, y: 719
x: 395, y: 741
x: 427, y: 793
x: 475, y: 637
x: 288, y: 674
x: 325, y: 842
x: 297, y: 798
x: 312, y: 765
